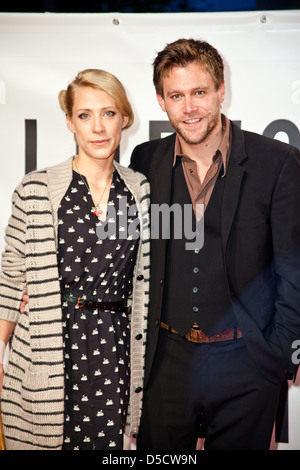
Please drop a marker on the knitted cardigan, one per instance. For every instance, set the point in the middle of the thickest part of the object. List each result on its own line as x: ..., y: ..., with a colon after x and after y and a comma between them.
x: 32, y: 399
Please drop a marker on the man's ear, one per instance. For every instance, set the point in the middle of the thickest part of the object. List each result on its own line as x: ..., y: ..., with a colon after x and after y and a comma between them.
x: 221, y: 92
x: 161, y: 102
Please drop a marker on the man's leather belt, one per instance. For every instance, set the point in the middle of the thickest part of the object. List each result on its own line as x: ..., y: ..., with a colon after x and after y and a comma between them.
x: 198, y: 336
x: 110, y: 306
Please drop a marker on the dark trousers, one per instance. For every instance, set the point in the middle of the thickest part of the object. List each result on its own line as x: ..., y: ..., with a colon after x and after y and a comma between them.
x: 206, y: 390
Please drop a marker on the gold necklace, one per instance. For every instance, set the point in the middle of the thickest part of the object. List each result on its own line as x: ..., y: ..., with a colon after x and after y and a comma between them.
x: 96, y: 208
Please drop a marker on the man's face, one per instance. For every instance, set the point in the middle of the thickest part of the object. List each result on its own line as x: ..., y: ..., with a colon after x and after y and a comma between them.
x: 192, y: 103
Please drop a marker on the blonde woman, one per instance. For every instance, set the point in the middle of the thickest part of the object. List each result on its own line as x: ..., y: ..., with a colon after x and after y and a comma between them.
x: 67, y: 382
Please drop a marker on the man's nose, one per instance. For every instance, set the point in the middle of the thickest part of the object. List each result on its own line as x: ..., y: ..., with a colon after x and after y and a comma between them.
x: 189, y: 104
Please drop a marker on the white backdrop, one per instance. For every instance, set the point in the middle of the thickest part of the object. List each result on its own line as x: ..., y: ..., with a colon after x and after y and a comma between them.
x: 41, y: 53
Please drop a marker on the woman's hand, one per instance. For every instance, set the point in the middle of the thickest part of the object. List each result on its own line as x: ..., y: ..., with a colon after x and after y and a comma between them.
x: 6, y: 330
x: 25, y: 299
x: 1, y: 377
x: 2, y: 353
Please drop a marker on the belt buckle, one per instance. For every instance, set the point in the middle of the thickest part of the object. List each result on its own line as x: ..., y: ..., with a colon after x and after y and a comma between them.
x: 79, y: 304
x: 201, y: 336
x: 196, y: 336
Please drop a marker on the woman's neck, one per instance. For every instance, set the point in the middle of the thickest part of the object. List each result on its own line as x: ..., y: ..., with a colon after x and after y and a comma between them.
x: 95, y: 171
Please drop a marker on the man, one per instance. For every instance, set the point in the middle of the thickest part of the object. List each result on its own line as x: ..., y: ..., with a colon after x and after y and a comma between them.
x: 224, y: 316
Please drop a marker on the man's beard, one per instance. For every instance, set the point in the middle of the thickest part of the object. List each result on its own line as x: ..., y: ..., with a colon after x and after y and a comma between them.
x: 197, y: 137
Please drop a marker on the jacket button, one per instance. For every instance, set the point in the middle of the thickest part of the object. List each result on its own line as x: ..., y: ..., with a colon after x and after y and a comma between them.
x: 140, y: 277
x: 135, y: 435
x: 138, y: 389
x: 139, y: 336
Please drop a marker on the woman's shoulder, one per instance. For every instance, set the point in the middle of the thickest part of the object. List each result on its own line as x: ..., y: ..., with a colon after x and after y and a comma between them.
x: 48, y: 175
x: 41, y: 174
x: 132, y: 175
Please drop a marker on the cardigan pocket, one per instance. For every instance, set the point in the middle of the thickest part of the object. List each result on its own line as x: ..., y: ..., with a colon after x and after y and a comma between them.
x: 34, y: 393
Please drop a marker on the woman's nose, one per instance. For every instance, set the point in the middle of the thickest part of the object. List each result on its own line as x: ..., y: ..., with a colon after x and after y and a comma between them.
x: 98, y: 124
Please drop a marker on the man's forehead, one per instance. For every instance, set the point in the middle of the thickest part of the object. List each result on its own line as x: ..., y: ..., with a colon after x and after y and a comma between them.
x: 196, y: 73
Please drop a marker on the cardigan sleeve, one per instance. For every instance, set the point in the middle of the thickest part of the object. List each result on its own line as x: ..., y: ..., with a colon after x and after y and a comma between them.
x: 13, y: 272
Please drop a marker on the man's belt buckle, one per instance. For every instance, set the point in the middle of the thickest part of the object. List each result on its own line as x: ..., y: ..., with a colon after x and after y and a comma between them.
x: 197, y: 336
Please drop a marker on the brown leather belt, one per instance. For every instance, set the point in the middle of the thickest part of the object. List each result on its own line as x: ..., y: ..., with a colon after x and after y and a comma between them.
x: 110, y: 306
x: 198, y: 336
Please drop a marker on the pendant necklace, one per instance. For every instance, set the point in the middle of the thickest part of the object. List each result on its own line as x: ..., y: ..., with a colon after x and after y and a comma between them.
x: 96, y: 208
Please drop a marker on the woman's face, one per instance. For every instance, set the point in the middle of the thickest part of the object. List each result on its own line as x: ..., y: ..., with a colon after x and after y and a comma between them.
x: 96, y: 122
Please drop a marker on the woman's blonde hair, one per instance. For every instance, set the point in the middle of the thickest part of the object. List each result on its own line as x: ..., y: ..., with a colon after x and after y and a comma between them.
x: 102, y: 80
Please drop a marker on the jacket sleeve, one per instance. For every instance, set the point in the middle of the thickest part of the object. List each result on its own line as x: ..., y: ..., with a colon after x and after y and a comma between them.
x: 141, y: 157
x: 13, y: 272
x: 285, y: 222
x: 134, y: 161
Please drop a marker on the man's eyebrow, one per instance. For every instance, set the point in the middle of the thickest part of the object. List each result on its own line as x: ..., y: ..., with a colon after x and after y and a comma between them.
x: 179, y: 92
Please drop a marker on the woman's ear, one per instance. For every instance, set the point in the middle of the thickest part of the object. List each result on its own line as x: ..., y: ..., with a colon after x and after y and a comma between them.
x: 70, y: 124
x: 125, y: 120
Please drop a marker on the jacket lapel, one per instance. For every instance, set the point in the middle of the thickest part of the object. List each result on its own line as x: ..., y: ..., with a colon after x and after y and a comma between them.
x: 161, y: 171
x: 234, y: 178
x: 160, y: 178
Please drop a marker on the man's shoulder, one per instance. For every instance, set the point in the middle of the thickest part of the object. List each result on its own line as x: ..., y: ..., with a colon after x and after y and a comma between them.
x: 151, y: 145
x: 258, y: 144
x: 146, y: 153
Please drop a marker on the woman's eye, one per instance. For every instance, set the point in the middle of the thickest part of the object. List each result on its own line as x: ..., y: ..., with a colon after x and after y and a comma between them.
x: 110, y: 113
x: 83, y: 116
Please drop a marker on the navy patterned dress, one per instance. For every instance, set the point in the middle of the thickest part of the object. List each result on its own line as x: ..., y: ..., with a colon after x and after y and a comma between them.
x: 96, y: 261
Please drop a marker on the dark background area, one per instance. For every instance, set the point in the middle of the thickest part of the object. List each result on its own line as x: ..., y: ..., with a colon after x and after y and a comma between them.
x: 146, y: 6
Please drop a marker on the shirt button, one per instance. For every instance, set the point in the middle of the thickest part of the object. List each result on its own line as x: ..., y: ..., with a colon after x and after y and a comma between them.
x: 138, y: 389
x: 195, y: 290
x: 195, y: 309
x: 140, y: 277
x: 196, y: 270
x: 139, y: 336
x: 197, y: 251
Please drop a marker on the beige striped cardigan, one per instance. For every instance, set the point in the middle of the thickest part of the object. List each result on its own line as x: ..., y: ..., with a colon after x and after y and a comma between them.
x: 32, y: 400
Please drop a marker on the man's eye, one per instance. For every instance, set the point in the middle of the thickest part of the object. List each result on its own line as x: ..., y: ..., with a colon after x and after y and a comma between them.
x: 176, y: 96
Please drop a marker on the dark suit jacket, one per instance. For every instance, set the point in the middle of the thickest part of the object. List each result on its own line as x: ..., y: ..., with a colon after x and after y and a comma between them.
x: 260, y: 241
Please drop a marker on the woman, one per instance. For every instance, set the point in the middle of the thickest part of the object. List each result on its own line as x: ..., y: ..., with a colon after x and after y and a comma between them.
x: 67, y: 381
